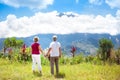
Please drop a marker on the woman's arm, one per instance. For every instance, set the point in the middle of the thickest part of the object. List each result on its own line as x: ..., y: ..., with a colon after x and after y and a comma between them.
x: 41, y: 50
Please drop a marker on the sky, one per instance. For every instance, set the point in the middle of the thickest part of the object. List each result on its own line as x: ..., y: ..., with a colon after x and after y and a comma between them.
x: 23, y: 18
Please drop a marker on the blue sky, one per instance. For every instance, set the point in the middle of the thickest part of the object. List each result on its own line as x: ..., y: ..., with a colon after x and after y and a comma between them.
x: 97, y: 7
x: 91, y: 16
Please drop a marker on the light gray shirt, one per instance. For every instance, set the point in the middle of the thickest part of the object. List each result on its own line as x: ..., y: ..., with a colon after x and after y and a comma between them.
x: 54, y: 48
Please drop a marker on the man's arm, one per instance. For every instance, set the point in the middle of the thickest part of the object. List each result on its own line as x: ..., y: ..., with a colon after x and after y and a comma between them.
x: 48, y: 53
x: 60, y: 52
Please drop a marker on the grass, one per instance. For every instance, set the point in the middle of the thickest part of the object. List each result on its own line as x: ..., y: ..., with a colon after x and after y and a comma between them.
x: 83, y: 71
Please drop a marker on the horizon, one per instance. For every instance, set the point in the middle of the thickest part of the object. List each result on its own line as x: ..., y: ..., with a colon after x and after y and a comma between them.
x: 26, y: 18
x: 61, y: 35
x: 103, y: 35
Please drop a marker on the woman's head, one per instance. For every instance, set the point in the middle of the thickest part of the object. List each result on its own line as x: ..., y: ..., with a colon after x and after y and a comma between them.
x: 36, y: 39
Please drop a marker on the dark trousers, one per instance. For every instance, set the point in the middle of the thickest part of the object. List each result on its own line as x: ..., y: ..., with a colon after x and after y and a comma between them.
x: 52, y: 61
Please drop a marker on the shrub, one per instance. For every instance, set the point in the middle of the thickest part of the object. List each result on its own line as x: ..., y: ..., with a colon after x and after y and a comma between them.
x: 64, y: 60
x: 44, y: 61
x: 89, y: 58
x: 77, y: 59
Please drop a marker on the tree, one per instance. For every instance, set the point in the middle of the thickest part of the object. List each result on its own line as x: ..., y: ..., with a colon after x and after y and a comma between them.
x: 7, y: 42
x: 19, y: 43
x: 105, y: 46
x: 12, y: 42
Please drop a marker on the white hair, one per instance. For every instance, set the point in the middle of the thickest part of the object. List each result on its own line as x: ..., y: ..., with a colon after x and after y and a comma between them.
x: 54, y: 36
x: 35, y: 38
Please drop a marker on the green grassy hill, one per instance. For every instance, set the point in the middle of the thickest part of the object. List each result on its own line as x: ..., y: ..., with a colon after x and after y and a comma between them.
x: 83, y: 71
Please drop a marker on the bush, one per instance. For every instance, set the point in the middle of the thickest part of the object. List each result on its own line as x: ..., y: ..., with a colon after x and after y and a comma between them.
x: 89, y: 58
x: 44, y: 60
x: 97, y: 61
x: 77, y: 59
x: 64, y: 60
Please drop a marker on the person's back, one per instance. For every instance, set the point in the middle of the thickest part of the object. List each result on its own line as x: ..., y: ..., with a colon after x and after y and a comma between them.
x: 55, y: 49
x: 35, y: 49
x: 54, y: 52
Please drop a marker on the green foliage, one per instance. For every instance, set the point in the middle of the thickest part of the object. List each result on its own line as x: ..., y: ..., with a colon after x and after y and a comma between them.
x: 83, y: 71
x: 118, y: 55
x: 77, y: 59
x: 18, y: 57
x: 7, y: 42
x: 97, y: 61
x: 64, y: 60
x: 89, y: 58
x: 12, y: 42
x: 93, y: 59
x: 105, y: 46
x: 44, y: 60
x: 118, y: 52
x: 19, y: 43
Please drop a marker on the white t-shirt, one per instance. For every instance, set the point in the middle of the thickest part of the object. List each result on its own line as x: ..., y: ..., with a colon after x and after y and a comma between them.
x: 54, y: 48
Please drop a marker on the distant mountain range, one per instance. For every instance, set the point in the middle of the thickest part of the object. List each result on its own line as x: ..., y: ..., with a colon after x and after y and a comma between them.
x: 84, y: 42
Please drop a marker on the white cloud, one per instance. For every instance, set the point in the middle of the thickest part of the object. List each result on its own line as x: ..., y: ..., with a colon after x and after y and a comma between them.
x: 96, y: 2
x: 51, y: 23
x: 113, y: 3
x: 77, y: 1
x: 118, y: 14
x: 38, y: 4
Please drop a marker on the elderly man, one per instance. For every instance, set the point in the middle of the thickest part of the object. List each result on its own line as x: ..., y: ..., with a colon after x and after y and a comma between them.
x: 55, y: 52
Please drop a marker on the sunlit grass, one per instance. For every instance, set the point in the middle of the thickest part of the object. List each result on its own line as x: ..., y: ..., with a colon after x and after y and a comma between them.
x: 84, y: 71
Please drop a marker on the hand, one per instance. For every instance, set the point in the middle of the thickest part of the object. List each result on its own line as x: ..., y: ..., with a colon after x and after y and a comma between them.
x: 42, y: 52
x: 59, y: 56
x: 46, y: 55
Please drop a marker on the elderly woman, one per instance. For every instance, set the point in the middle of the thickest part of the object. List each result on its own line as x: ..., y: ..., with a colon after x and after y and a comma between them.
x: 36, y: 49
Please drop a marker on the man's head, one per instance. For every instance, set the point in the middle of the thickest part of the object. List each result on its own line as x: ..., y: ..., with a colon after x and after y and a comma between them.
x: 36, y: 39
x: 54, y: 38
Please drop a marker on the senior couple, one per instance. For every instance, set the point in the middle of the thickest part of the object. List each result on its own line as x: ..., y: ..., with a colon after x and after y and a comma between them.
x: 54, y: 52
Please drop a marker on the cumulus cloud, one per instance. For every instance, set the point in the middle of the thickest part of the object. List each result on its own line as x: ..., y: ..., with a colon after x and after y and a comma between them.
x: 118, y: 14
x: 113, y: 3
x: 38, y: 4
x: 96, y: 2
x: 52, y: 23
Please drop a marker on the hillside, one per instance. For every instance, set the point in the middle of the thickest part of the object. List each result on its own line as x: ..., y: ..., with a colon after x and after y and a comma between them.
x: 82, y: 71
x: 86, y: 43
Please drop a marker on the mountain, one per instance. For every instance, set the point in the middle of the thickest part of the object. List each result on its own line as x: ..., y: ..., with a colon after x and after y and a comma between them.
x: 84, y: 42
x: 1, y: 43
x: 66, y: 14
